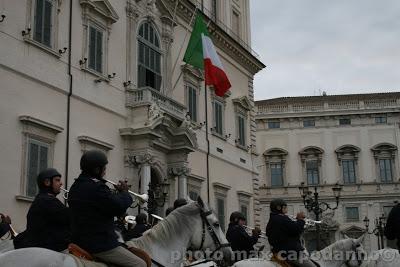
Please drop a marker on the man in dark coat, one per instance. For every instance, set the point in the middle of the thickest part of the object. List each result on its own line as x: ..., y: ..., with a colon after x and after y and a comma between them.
x: 93, y: 208
x: 284, y: 235
x: 241, y: 242
x: 392, y: 228
x: 4, y: 224
x: 48, y: 221
x: 140, y: 227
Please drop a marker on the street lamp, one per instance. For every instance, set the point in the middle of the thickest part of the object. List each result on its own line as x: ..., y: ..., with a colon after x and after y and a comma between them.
x: 157, y: 196
x: 313, y: 204
x: 379, y: 229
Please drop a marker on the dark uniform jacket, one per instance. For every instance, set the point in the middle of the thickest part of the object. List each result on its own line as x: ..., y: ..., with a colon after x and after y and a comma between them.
x: 48, y: 224
x: 283, y: 233
x: 93, y: 208
x: 136, y: 231
x: 241, y: 242
x: 392, y: 228
x: 4, y: 228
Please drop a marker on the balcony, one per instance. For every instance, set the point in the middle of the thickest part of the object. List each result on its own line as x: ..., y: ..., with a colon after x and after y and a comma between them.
x: 147, y: 96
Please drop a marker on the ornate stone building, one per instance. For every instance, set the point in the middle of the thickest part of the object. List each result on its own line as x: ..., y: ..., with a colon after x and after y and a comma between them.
x: 107, y: 74
x: 323, y: 140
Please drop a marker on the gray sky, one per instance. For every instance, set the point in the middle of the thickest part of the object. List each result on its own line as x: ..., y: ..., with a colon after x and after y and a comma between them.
x: 337, y: 46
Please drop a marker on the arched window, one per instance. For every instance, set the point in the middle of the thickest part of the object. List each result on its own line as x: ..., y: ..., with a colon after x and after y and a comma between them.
x: 311, y: 158
x: 275, y: 159
x: 347, y: 156
x: 384, y: 155
x: 149, y: 64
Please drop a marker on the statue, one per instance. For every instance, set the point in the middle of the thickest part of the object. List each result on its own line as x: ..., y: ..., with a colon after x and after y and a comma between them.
x: 154, y: 113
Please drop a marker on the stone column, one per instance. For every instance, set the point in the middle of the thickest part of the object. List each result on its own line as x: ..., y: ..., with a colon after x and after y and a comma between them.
x: 167, y: 39
x: 182, y: 173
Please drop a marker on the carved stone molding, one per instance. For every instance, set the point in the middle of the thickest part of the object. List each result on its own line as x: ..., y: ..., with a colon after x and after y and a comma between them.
x: 179, y: 171
x: 139, y: 159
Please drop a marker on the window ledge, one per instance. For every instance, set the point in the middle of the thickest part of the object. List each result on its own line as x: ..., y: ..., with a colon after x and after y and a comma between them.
x: 100, y: 76
x: 37, y: 122
x: 242, y: 147
x: 218, y: 135
x: 47, y: 49
x: 24, y: 198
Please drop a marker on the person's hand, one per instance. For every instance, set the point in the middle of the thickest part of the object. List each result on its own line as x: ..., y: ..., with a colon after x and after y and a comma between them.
x: 122, y: 186
x: 300, y: 216
x: 256, y: 231
x: 6, y: 219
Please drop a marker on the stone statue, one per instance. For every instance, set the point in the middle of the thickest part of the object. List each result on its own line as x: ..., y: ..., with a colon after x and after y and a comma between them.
x: 154, y: 113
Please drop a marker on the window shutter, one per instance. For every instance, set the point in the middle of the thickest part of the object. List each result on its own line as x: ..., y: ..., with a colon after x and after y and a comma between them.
x: 99, y: 51
x: 92, y: 48
x: 33, y: 169
x: 47, y: 21
x: 38, y: 21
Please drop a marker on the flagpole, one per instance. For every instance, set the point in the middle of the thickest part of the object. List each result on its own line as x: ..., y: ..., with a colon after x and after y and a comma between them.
x: 208, y: 142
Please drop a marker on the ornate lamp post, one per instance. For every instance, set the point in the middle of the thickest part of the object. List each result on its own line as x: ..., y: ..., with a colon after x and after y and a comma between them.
x: 379, y: 229
x: 157, y: 196
x: 313, y: 204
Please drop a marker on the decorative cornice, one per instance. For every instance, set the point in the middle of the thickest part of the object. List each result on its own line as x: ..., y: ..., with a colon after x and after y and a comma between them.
x: 28, y: 120
x: 109, y: 13
x: 90, y: 140
x: 221, y: 186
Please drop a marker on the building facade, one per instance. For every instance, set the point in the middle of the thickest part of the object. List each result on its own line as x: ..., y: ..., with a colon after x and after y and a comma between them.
x: 108, y: 75
x: 352, y: 140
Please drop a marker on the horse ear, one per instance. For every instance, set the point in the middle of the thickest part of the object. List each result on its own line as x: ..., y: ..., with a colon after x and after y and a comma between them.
x: 189, y: 200
x: 200, y: 202
x: 361, y: 239
x: 346, y: 236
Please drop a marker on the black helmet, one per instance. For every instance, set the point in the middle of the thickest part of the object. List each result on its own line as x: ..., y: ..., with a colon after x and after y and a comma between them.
x: 91, y: 160
x: 179, y: 203
x: 236, y: 216
x: 141, y: 218
x: 275, y: 203
x: 168, y: 210
x: 48, y: 173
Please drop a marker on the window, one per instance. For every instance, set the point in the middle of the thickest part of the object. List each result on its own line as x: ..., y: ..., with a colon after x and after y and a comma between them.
x: 349, y: 172
x: 244, y: 211
x: 344, y: 121
x: 276, y: 174
x: 312, y: 172
x: 96, y: 49
x: 218, y: 117
x: 308, y: 123
x: 241, y: 130
x: 43, y: 22
x: 221, y: 212
x: 352, y: 214
x: 149, y: 64
x: 37, y: 160
x: 385, y: 170
x: 381, y: 120
x: 192, y: 101
x: 236, y: 23
x: 214, y: 10
x: 274, y: 124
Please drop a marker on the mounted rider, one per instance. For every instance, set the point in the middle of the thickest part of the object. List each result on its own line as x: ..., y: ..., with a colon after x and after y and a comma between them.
x: 284, y: 235
x: 93, y: 208
x: 392, y: 230
x: 48, y: 219
x: 241, y: 242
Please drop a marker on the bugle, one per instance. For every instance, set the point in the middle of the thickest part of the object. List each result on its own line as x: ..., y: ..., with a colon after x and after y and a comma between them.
x: 65, y: 193
x: 142, y: 198
x: 13, y: 232
x: 309, y: 222
x: 248, y: 228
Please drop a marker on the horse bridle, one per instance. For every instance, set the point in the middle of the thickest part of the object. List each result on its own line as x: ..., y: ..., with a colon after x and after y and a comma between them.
x: 358, y: 260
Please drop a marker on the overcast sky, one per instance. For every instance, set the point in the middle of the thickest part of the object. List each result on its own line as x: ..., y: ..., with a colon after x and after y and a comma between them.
x: 337, y: 46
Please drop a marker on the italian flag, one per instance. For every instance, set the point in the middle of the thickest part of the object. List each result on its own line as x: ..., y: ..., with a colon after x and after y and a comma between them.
x: 201, y: 54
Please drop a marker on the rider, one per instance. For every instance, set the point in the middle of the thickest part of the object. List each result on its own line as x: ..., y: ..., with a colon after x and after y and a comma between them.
x: 140, y: 227
x: 241, y: 242
x: 392, y: 230
x: 93, y: 208
x: 284, y: 235
x: 4, y: 224
x: 48, y: 220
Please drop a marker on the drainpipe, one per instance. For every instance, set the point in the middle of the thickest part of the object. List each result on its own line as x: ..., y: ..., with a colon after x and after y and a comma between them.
x: 69, y: 94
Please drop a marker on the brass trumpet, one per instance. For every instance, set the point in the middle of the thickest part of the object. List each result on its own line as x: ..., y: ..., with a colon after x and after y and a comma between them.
x: 142, y: 198
x: 65, y: 193
x: 309, y: 222
x: 248, y: 228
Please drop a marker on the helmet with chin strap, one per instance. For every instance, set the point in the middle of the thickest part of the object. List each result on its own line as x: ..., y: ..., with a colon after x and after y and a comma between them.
x: 236, y: 216
x: 277, y: 205
x: 92, y: 162
x: 48, y: 173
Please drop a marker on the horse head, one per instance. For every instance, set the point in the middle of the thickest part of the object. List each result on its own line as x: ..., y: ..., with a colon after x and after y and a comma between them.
x: 211, y: 238
x: 358, y: 254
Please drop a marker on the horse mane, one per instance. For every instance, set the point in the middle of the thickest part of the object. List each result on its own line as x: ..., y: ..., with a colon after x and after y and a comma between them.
x: 338, y: 244
x: 173, y: 226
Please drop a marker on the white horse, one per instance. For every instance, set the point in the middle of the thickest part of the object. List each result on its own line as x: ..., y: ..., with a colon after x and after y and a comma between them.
x: 348, y: 252
x: 193, y: 225
x: 6, y: 245
x: 387, y: 257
